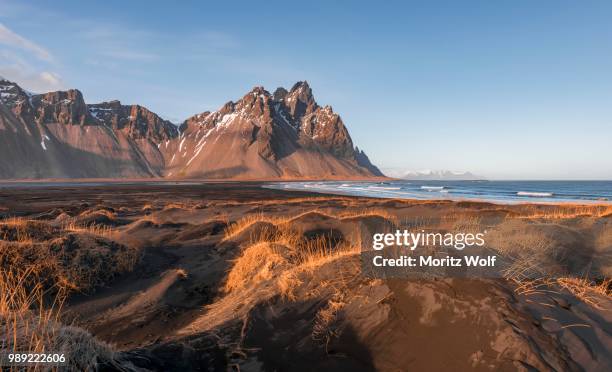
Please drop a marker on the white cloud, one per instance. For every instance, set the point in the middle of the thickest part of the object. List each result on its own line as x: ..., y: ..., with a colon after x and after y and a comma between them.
x: 27, y: 63
x: 12, y: 39
x: 50, y: 78
x: 15, y: 68
x: 35, y: 82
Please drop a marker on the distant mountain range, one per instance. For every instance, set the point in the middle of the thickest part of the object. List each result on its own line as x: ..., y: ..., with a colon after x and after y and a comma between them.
x: 284, y: 135
x: 430, y: 175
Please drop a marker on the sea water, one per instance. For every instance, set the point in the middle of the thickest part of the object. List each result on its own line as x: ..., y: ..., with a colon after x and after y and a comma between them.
x: 494, y: 191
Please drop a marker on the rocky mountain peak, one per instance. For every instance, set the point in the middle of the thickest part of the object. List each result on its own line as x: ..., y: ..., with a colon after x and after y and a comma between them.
x: 280, y: 93
x: 16, y: 99
x: 64, y: 107
x: 138, y: 121
x: 12, y: 94
x: 300, y: 101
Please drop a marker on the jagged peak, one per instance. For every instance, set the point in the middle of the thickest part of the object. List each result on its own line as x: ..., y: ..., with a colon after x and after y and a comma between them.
x: 62, y: 96
x: 280, y: 93
x: 301, y: 86
x: 255, y: 93
x: 300, y: 95
x: 11, y: 93
x: 106, y: 104
x: 259, y: 90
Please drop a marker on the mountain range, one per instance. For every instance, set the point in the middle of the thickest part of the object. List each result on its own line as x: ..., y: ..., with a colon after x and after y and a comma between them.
x: 431, y: 175
x: 263, y: 135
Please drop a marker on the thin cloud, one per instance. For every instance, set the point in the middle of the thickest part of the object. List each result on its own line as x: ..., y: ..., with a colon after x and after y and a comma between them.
x: 119, y: 43
x: 129, y: 55
x: 41, y: 82
x: 12, y: 39
x: 15, y: 68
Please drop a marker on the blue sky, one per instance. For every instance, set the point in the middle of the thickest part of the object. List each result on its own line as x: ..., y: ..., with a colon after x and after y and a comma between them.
x: 504, y: 89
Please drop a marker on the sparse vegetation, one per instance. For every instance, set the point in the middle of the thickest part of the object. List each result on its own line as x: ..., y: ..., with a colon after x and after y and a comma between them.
x: 282, y: 259
x: 242, y: 224
x: 30, y: 322
x: 325, y: 323
x: 40, y: 264
x: 565, y: 211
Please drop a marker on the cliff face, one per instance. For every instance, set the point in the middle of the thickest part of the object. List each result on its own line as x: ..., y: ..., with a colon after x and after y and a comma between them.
x: 261, y: 136
x: 55, y: 135
x: 134, y: 120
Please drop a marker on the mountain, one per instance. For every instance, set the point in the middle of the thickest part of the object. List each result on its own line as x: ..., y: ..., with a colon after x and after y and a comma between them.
x: 431, y: 175
x: 261, y: 136
x: 285, y: 135
x: 55, y: 135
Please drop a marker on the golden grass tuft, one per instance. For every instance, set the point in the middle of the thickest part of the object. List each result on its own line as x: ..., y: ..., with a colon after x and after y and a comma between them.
x: 25, y: 318
x: 369, y: 212
x: 244, y: 223
x: 30, y: 323
x: 93, y: 229
x: 588, y: 291
x: 287, y: 283
x: 40, y: 264
x: 597, y: 295
x: 71, y: 256
x: 565, y: 211
x: 249, y: 220
x: 282, y: 252
x: 255, y: 264
x: 324, y: 328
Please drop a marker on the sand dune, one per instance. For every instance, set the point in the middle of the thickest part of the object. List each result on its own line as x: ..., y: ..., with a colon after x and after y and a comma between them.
x: 232, y: 276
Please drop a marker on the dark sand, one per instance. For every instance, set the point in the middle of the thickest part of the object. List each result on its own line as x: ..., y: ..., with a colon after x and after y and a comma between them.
x: 201, y: 300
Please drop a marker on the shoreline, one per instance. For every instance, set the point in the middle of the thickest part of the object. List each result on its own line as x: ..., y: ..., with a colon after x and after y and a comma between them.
x: 458, y: 199
x: 12, y: 197
x: 593, y: 203
x: 56, y: 184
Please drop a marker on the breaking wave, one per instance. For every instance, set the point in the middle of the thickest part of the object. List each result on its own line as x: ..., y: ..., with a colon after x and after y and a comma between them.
x: 535, y: 194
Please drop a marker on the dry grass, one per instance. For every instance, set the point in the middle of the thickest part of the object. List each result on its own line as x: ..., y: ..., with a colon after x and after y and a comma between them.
x: 287, y: 283
x: 588, y: 291
x: 93, y: 229
x: 325, y: 323
x: 597, y: 295
x: 369, y: 212
x: 300, y: 201
x: 176, y: 205
x: 24, y: 230
x: 24, y: 316
x: 533, y: 257
x: 256, y: 264
x: 244, y: 223
x: 283, y: 252
x: 72, y: 256
x: 40, y: 264
x: 30, y: 323
x: 565, y: 211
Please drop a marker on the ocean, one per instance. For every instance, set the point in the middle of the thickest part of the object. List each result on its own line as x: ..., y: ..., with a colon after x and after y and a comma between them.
x: 494, y: 191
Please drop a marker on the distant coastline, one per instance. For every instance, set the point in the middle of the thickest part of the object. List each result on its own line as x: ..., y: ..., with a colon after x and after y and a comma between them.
x: 502, y: 192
